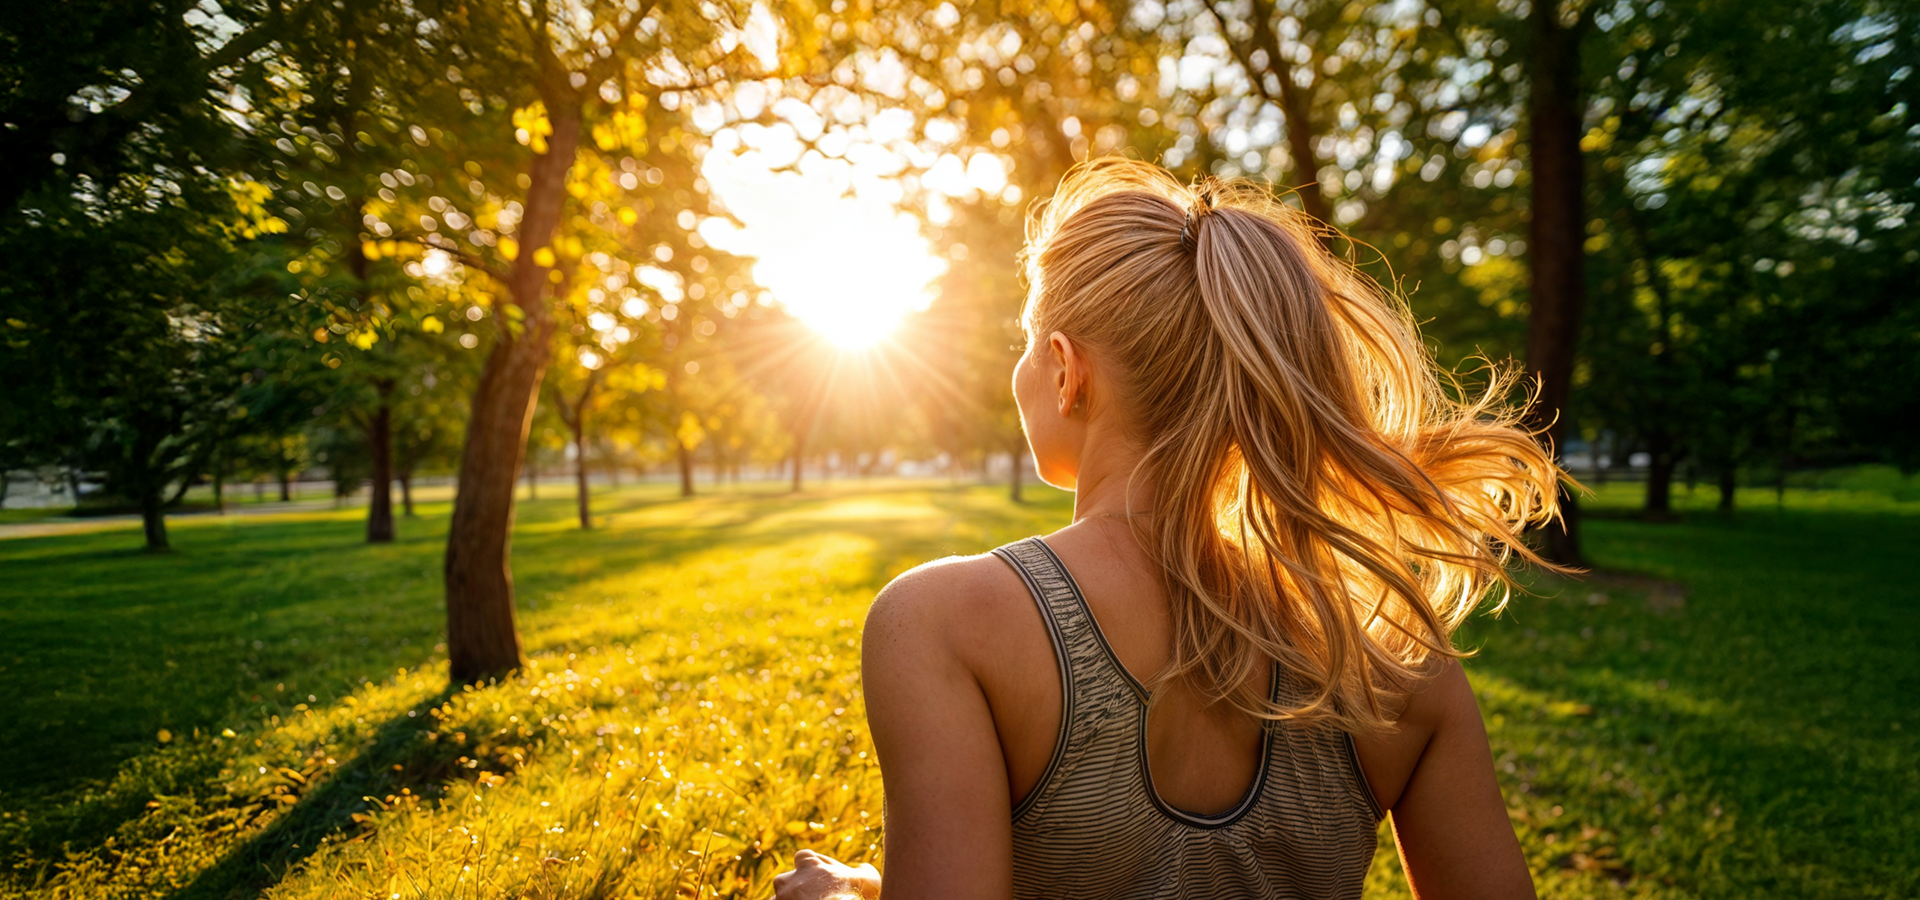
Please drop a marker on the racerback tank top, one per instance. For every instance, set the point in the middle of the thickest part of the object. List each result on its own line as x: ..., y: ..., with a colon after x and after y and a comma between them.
x: 1094, y: 828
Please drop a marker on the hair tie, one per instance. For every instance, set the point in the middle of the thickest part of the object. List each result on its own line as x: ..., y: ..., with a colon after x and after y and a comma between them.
x: 1208, y: 190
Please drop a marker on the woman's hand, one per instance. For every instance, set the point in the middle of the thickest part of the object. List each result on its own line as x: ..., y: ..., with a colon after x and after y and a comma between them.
x: 819, y: 877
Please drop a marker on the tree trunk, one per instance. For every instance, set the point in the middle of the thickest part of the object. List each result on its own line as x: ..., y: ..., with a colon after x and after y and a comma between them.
x: 1557, y: 244
x: 380, y: 447
x: 686, y: 467
x: 220, y: 486
x: 481, y: 641
x: 1729, y: 481
x: 575, y: 418
x: 5, y: 482
x: 1660, y: 475
x: 797, y: 448
x: 379, y: 429
x: 580, y: 464
x: 153, y: 520
x: 533, y: 477
x: 406, y: 492
x: 286, y: 485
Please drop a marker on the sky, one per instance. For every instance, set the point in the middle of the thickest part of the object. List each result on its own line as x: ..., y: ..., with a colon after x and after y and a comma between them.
x: 847, y: 263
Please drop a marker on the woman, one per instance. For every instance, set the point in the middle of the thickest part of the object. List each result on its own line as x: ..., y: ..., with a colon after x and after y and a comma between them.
x: 1238, y: 658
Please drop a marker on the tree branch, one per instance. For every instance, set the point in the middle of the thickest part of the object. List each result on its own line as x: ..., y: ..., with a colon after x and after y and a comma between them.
x: 451, y: 248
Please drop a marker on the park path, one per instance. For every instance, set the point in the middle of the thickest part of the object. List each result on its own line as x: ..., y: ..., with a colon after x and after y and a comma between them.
x: 58, y: 525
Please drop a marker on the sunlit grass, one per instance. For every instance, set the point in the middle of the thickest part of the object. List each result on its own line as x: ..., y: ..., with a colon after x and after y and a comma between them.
x: 689, y: 717
x: 691, y: 710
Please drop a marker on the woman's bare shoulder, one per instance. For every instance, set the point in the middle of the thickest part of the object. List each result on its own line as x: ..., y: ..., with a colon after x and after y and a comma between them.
x: 1431, y: 713
x: 963, y: 592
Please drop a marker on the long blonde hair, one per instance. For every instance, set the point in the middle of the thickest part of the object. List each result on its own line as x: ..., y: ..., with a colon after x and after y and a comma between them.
x: 1320, y: 498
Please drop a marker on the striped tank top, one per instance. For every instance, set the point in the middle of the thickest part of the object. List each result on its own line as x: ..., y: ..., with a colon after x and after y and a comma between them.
x: 1093, y: 826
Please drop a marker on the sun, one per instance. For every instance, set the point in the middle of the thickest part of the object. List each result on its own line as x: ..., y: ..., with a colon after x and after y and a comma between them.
x: 854, y: 288
x: 845, y: 262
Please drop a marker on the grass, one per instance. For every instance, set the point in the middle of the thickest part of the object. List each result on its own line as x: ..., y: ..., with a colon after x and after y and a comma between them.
x: 264, y: 712
x: 26, y: 515
x: 1732, y: 719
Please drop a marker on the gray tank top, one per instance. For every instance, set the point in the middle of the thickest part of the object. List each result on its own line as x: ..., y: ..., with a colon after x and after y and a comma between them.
x: 1093, y: 826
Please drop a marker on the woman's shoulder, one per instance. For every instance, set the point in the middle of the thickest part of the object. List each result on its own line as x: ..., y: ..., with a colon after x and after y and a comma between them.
x: 954, y: 588
x: 963, y: 605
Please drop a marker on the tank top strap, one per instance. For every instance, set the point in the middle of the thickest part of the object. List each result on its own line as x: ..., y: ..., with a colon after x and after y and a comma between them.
x: 1084, y: 655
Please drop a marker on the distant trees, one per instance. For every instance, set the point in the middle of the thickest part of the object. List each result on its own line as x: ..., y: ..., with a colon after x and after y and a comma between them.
x: 1624, y: 195
x: 134, y: 330
x: 140, y: 277
x: 1750, y: 239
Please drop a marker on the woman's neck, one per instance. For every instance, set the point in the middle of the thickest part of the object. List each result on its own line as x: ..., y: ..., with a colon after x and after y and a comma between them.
x: 1109, y: 482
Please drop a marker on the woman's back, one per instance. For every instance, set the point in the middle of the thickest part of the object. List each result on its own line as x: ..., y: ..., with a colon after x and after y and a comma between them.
x: 1096, y: 824
x: 1279, y: 519
x: 964, y: 687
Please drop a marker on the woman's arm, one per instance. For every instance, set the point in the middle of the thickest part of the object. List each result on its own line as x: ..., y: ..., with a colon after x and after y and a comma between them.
x: 949, y: 831
x: 1449, y: 821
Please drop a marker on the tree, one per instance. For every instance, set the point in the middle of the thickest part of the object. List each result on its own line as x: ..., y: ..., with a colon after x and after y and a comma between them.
x: 138, y: 321
x: 576, y: 82
x: 600, y: 366
x: 119, y: 125
x: 696, y: 372
x: 1745, y: 218
x: 1557, y: 232
x: 347, y: 79
x: 102, y: 90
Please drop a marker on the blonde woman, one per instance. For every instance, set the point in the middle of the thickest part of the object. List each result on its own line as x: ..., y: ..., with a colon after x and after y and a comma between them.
x: 1237, y: 660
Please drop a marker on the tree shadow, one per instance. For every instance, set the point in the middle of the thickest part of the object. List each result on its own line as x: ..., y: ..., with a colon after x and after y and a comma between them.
x: 398, y: 756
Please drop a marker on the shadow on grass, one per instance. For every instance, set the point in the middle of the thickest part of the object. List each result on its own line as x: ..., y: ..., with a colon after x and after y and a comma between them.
x: 397, y: 757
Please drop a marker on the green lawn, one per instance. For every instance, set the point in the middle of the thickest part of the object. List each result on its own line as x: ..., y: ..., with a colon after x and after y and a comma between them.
x: 1726, y: 707
x: 1725, y: 711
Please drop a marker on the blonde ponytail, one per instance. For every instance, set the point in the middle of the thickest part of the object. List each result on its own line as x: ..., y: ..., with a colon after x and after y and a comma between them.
x: 1320, y: 499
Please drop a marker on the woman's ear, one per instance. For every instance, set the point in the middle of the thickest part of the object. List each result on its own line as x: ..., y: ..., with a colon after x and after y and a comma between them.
x: 1070, y: 376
